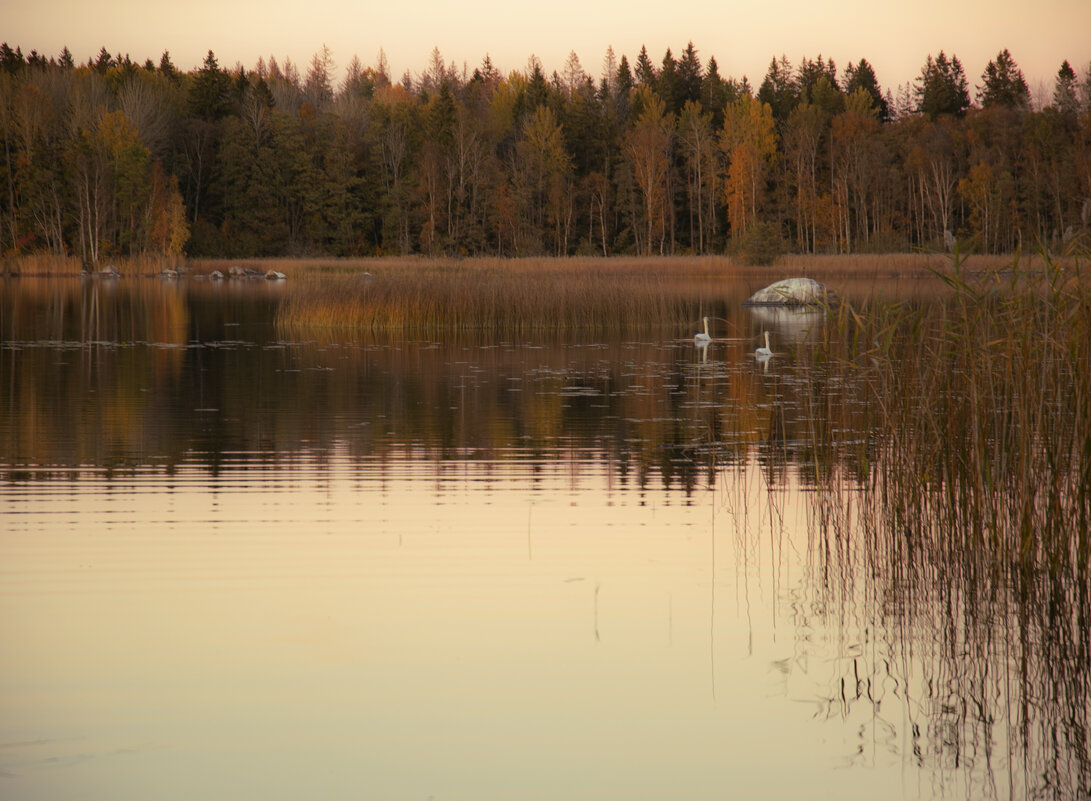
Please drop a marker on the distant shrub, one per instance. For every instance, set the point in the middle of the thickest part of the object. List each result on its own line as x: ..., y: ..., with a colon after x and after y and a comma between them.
x: 761, y: 244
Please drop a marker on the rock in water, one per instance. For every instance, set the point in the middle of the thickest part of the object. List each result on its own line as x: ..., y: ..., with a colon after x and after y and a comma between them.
x: 792, y: 292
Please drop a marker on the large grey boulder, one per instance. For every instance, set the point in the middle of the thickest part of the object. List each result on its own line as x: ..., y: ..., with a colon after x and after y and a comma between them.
x: 792, y: 292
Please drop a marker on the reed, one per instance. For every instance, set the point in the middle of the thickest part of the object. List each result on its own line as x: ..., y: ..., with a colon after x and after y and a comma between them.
x: 968, y: 506
x: 49, y: 265
x: 906, y: 265
x: 985, y: 404
x: 498, y: 296
x: 819, y: 266
x: 913, y: 265
x: 41, y: 265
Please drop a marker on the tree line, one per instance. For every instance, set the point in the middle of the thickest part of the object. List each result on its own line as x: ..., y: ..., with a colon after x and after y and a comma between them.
x: 113, y: 157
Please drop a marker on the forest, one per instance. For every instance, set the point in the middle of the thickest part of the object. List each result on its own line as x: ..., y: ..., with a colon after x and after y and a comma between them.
x: 114, y: 159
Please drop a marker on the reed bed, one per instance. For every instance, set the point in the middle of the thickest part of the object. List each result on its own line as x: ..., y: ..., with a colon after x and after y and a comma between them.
x: 883, y: 265
x: 501, y: 297
x: 311, y: 267
x: 983, y: 405
x: 49, y: 265
x: 420, y: 294
x: 41, y: 265
x: 907, y: 265
x: 815, y: 266
x: 968, y: 508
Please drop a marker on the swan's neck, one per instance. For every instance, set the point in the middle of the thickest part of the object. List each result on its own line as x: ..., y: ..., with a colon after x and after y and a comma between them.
x: 706, y: 326
x: 767, y: 340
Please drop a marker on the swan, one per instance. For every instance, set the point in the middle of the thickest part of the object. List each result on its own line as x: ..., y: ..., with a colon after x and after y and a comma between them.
x: 702, y: 339
x: 766, y: 352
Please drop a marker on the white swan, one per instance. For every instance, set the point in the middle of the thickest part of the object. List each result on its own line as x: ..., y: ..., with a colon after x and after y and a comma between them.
x: 766, y: 352
x: 702, y: 339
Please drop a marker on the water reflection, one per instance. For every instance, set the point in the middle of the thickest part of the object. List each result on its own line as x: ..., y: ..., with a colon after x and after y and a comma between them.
x: 475, y: 568
x: 153, y: 393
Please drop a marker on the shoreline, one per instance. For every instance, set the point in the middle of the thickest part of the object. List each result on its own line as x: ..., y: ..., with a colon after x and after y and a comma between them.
x: 885, y: 265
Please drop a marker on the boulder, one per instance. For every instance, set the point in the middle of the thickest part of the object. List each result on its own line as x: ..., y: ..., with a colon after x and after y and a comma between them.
x: 273, y: 275
x: 792, y: 292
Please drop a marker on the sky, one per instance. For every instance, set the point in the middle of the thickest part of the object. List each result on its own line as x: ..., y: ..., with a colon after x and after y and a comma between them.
x: 895, y: 38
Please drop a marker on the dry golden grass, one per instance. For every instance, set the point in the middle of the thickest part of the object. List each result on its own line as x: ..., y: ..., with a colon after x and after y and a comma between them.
x: 423, y: 294
x: 44, y: 265
x: 310, y: 267
x: 815, y: 266
x: 884, y: 265
x: 501, y: 297
x: 902, y: 265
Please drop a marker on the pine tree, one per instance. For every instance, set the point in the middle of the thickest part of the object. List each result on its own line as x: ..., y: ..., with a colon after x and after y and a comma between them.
x: 779, y: 90
x: 1003, y: 84
x: 689, y: 75
x: 209, y: 92
x: 1065, y: 91
x: 166, y: 66
x: 623, y: 82
x: 105, y: 61
x: 609, y: 69
x: 862, y: 76
x: 942, y: 87
x: 318, y: 88
x: 11, y: 61
x: 666, y: 83
x: 716, y: 93
x: 645, y: 72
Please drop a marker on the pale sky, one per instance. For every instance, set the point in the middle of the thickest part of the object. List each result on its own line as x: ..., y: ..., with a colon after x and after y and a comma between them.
x: 743, y: 36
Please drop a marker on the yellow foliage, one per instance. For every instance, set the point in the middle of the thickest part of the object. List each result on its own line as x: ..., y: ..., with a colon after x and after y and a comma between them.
x: 749, y: 138
x: 861, y: 102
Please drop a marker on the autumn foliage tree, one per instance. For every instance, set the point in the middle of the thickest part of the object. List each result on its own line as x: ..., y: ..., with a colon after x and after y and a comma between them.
x: 652, y: 156
x: 648, y: 150
x: 749, y: 140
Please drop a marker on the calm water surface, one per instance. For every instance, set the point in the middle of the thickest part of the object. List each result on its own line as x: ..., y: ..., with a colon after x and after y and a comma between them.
x: 234, y: 565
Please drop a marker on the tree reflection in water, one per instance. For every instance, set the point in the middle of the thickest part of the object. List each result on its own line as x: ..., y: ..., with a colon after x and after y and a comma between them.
x: 946, y: 471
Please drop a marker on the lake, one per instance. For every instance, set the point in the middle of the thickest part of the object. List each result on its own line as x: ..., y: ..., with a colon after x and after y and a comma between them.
x: 240, y: 564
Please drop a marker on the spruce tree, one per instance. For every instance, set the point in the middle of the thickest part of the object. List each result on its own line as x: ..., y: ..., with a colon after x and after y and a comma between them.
x: 1065, y: 91
x: 645, y: 72
x: 862, y: 76
x: 210, y: 91
x: 942, y: 87
x: 689, y: 75
x: 1003, y: 84
x: 666, y: 83
x: 779, y: 89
